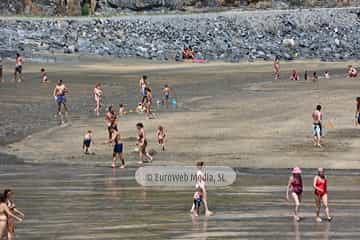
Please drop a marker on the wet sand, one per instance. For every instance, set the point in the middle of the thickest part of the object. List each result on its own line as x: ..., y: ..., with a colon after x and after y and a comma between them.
x: 227, y: 114
x: 230, y: 114
x: 65, y: 202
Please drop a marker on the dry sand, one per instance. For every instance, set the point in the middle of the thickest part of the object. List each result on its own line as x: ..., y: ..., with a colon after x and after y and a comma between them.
x: 228, y: 114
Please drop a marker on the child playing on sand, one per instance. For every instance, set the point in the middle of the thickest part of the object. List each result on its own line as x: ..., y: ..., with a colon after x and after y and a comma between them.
x: 87, y: 141
x: 198, y: 195
x: 44, y: 76
x: 161, y: 137
x: 327, y: 75
x: 122, y: 110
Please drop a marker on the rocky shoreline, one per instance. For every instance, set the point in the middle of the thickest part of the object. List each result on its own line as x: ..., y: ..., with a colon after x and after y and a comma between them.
x: 327, y: 34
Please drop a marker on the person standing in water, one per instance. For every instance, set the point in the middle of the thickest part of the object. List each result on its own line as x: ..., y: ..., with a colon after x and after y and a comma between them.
x: 59, y: 93
x: 317, y: 126
x: 98, y: 92
x: 19, y: 61
x: 143, y: 84
x: 160, y: 134
x: 295, y: 187
x: 321, y: 194
x: 357, y: 112
x: 200, y: 183
x: 166, y: 93
x: 87, y: 142
x: 118, y: 148
x: 142, y: 144
x: 110, y: 120
x: 276, y: 68
x: 5, y: 215
x: 10, y: 222
x: 44, y: 76
x: 148, y: 103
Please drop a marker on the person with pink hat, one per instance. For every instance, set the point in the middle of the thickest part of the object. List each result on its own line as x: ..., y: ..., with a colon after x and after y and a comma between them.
x: 295, y: 186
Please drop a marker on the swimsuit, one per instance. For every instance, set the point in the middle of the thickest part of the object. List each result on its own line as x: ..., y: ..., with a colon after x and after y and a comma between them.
x: 87, y: 142
x: 322, y: 184
x: 199, y: 179
x: 118, y: 148
x: 296, y: 186
x: 18, y: 69
x: 61, y: 99
x: 317, y: 129
x: 10, y: 221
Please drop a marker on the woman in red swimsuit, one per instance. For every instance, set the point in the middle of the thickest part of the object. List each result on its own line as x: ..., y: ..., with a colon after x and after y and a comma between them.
x: 295, y: 186
x: 321, y: 194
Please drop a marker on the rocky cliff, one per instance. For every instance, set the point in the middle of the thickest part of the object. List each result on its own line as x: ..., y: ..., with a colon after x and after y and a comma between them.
x: 107, y: 7
x: 328, y: 34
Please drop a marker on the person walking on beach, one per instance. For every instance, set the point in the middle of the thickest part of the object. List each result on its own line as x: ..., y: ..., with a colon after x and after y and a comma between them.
x: 98, y: 92
x: 10, y: 222
x: 317, y: 126
x: 59, y: 94
x: 148, y: 103
x: 276, y: 68
x: 118, y: 148
x: 143, y: 84
x: 357, y: 112
x: 200, y: 183
x: 110, y: 120
x: 295, y: 187
x: 166, y: 93
x: 5, y: 217
x: 142, y: 144
x: 19, y: 61
x: 160, y: 134
x: 321, y: 194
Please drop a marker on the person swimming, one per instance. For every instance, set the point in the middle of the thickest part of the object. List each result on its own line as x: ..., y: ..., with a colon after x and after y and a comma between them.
x: 321, y: 194
x: 87, y: 141
x: 295, y: 186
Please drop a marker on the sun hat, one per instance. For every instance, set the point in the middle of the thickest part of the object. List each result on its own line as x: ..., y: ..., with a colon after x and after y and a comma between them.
x: 296, y: 170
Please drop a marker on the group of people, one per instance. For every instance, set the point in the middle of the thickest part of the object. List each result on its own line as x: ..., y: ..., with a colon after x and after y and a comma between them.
x: 295, y: 188
x: 188, y: 53
x: 8, y: 214
x: 295, y: 76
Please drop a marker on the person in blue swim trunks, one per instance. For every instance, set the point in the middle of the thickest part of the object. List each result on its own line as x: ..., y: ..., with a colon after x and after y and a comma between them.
x: 118, y: 148
x: 87, y: 141
x: 59, y: 93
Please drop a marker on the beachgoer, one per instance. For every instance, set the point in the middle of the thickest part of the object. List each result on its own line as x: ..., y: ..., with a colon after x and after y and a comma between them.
x: 98, y: 92
x: 276, y: 67
x: 12, y: 207
x: 321, y: 194
x: 327, y: 75
x: 87, y: 141
x: 118, y: 148
x: 143, y: 85
x: 122, y: 110
x: 306, y: 75
x: 110, y: 120
x: 142, y: 144
x: 19, y: 61
x: 44, y: 76
x: 166, y: 93
x: 59, y: 93
x: 6, y: 215
x: 148, y: 103
x: 351, y: 72
x: 295, y: 186
x: 1, y: 70
x: 294, y: 76
x: 357, y: 112
x: 200, y: 183
x: 317, y: 126
x: 198, y: 196
x: 315, y: 77
x: 161, y: 137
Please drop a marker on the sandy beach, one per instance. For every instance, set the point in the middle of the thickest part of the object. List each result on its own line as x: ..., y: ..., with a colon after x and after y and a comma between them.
x: 227, y: 114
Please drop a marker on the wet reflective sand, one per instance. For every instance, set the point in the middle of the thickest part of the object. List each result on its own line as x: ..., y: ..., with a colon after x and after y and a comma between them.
x: 63, y: 202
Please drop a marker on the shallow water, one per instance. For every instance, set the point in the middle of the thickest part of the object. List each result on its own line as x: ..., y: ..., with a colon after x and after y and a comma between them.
x: 63, y: 202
